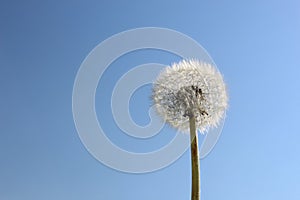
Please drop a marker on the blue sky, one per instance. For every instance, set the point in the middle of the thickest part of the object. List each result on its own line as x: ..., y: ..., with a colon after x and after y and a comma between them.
x: 255, y: 45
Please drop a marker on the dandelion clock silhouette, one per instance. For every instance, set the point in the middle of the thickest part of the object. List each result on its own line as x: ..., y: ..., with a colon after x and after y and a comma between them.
x: 191, y: 95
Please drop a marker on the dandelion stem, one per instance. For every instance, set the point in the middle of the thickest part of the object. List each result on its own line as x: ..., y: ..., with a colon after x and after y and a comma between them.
x: 195, y: 160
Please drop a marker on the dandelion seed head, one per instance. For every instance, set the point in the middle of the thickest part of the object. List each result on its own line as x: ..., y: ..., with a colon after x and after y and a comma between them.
x: 190, y: 88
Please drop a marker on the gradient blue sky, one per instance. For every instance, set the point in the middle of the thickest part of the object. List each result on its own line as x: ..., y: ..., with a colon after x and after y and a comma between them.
x: 256, y: 45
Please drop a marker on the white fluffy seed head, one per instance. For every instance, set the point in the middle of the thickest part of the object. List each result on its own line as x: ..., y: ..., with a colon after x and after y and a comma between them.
x: 190, y: 88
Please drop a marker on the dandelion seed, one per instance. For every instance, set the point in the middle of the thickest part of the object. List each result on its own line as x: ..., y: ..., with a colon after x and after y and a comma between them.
x: 188, y: 88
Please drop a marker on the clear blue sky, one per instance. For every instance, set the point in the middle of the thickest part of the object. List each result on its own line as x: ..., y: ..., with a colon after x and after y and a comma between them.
x: 256, y: 45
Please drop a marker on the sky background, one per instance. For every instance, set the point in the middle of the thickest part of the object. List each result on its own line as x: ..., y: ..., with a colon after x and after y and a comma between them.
x: 255, y: 44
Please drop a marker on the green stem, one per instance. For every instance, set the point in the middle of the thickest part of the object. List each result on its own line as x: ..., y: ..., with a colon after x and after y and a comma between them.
x: 195, y: 161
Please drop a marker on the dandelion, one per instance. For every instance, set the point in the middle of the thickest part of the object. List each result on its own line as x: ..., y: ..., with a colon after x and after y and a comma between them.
x: 190, y: 96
